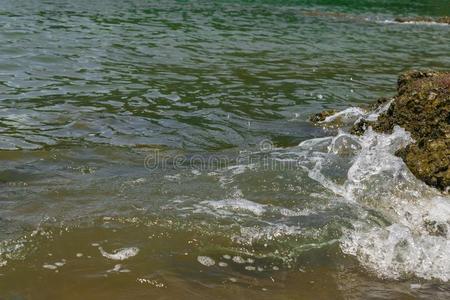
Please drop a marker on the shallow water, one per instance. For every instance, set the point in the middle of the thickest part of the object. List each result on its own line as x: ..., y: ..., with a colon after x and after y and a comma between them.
x: 163, y: 150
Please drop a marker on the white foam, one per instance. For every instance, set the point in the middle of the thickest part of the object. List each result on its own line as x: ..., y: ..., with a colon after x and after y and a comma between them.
x: 415, y: 240
x: 397, y: 251
x: 206, y: 261
x: 350, y: 114
x: 50, y: 267
x: 235, y: 205
x: 120, y: 254
x: 373, y: 115
x: 248, y: 235
x: 115, y: 269
x: 413, y: 22
x: 238, y: 260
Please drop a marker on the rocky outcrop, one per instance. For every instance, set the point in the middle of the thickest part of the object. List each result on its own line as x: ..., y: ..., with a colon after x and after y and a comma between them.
x: 422, y: 107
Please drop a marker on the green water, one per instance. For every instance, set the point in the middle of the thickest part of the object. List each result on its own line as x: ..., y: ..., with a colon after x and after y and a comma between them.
x: 96, y: 95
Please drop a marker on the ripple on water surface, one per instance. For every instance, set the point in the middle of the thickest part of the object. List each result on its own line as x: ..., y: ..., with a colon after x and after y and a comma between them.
x: 89, y: 90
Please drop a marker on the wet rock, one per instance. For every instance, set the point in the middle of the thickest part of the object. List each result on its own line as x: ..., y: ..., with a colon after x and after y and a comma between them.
x: 436, y: 229
x: 429, y: 160
x: 337, y: 120
x: 360, y: 127
x: 320, y: 117
x: 422, y: 107
x: 380, y: 102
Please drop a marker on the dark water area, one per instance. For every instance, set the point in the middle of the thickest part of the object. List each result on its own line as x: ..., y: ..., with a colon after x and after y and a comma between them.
x: 180, y: 129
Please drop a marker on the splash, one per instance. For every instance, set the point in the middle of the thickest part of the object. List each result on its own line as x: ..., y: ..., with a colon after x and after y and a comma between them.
x: 402, y: 229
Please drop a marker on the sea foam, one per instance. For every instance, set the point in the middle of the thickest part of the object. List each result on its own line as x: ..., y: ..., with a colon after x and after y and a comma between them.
x: 403, y: 227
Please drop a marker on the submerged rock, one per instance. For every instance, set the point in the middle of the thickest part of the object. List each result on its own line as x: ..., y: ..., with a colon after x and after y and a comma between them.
x: 422, y: 107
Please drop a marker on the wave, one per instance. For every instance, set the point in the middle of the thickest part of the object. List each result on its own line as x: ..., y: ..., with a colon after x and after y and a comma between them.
x: 343, y: 189
x: 403, y: 228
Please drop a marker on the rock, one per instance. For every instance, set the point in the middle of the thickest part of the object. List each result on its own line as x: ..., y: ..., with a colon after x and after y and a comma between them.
x: 360, y: 127
x: 422, y: 107
x: 380, y: 102
x: 320, y: 117
x: 429, y: 160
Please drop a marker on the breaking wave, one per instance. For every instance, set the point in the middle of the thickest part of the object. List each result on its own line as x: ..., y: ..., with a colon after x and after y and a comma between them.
x: 403, y: 226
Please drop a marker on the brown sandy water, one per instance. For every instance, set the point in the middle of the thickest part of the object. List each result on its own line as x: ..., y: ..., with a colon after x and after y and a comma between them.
x: 167, y: 268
